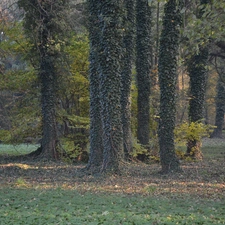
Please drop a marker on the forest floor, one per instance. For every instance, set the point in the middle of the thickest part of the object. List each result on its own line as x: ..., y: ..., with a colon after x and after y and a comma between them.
x: 199, y: 181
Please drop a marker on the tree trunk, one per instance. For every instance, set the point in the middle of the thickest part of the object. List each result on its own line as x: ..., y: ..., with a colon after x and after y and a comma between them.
x: 169, y: 43
x: 198, y: 76
x: 96, y: 145
x: 143, y: 67
x: 110, y: 83
x: 42, y: 25
x: 49, y: 142
x: 220, y: 107
x: 196, y: 68
x: 128, y: 42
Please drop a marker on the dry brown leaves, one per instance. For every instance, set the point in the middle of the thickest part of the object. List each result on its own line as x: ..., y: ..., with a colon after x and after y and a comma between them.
x: 204, y: 179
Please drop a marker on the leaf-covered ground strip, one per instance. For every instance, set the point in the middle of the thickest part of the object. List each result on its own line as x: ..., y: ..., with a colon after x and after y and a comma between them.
x: 58, y: 206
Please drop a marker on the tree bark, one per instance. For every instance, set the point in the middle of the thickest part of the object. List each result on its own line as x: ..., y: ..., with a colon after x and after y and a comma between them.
x: 49, y: 143
x: 110, y: 83
x: 220, y: 109
x: 169, y: 43
x: 128, y: 42
x: 46, y: 34
x: 198, y: 78
x: 197, y: 71
x: 143, y: 68
x: 96, y: 144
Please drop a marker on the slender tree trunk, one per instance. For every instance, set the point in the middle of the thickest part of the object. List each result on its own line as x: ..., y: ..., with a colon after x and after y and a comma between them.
x: 220, y: 109
x: 169, y: 43
x: 197, y: 72
x: 157, y: 33
x: 110, y: 83
x: 143, y: 67
x: 198, y: 76
x: 96, y: 144
x: 128, y: 42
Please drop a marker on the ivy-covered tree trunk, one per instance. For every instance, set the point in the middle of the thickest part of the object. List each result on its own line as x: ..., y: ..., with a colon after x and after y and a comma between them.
x: 110, y: 83
x: 128, y: 42
x: 198, y: 75
x: 197, y: 71
x: 143, y: 67
x: 46, y: 34
x: 96, y: 145
x: 49, y: 143
x: 220, y: 109
x: 168, y: 51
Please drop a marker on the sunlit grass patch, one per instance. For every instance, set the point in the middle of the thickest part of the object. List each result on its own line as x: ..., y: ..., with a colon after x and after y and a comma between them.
x: 212, y: 148
x: 20, y: 149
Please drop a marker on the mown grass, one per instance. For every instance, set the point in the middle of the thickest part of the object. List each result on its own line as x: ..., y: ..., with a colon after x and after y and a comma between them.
x: 214, y: 148
x: 58, y: 206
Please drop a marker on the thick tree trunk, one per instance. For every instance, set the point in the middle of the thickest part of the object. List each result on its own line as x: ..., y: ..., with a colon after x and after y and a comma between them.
x: 110, y: 83
x: 96, y: 144
x: 169, y: 43
x: 128, y: 42
x: 143, y: 67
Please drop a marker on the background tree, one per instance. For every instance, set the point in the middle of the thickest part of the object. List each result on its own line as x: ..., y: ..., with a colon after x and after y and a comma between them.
x: 20, y: 90
x: 19, y: 86
x: 197, y: 71
x: 45, y: 28
x: 143, y: 68
x: 220, y: 103
x: 169, y: 43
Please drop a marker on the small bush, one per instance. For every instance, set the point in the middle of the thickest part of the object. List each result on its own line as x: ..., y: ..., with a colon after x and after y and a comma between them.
x: 192, y: 133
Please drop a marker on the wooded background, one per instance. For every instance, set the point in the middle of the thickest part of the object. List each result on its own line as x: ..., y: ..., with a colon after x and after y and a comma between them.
x: 164, y: 61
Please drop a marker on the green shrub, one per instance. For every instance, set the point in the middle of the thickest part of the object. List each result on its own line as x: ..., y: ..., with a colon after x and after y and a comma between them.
x: 191, y: 132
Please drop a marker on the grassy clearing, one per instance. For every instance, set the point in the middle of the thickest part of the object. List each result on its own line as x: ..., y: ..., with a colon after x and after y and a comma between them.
x: 31, y: 207
x: 214, y: 148
x: 35, y: 192
x: 17, y: 149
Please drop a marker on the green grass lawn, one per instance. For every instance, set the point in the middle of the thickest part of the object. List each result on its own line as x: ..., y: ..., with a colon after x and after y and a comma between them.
x: 213, y: 148
x: 57, y: 206
x: 56, y: 193
x: 17, y: 149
